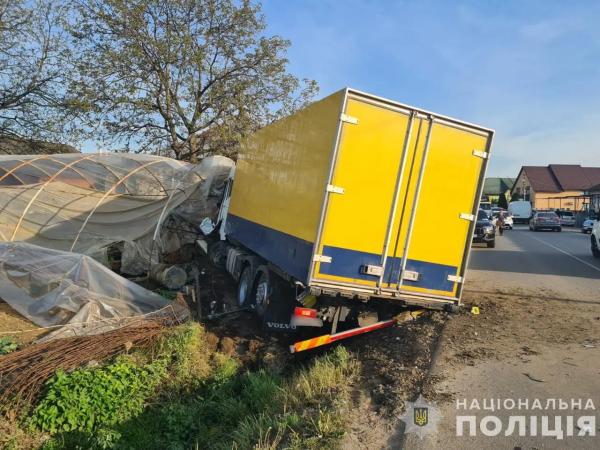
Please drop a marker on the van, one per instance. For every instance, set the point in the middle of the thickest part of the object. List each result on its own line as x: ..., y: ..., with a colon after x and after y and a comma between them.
x: 520, y: 210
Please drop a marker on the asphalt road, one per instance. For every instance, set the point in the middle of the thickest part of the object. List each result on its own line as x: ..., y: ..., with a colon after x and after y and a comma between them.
x: 553, y: 268
x: 557, y: 264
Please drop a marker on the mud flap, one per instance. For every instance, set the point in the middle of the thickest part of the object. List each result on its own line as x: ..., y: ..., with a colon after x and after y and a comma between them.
x: 280, y: 308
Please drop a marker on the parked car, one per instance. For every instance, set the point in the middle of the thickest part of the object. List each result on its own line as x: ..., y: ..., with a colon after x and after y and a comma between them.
x: 486, y: 207
x: 485, y: 231
x: 520, y: 211
x: 548, y: 220
x: 567, y: 218
x: 596, y: 240
x: 508, y: 220
x: 588, y: 225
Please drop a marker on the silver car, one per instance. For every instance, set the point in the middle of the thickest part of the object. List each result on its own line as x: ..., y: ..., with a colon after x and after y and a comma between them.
x: 567, y: 218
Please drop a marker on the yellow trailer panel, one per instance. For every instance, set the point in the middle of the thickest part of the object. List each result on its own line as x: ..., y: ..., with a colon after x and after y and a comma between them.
x: 361, y: 195
x: 279, y: 184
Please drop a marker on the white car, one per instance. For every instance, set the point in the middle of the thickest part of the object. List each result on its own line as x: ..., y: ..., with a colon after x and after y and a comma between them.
x: 588, y: 225
x: 596, y: 240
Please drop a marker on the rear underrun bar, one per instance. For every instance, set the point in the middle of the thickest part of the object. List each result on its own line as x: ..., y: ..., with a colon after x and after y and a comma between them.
x: 330, y: 338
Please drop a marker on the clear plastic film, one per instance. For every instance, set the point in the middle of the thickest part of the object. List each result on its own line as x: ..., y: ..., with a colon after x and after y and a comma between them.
x: 54, y: 287
x: 85, y: 202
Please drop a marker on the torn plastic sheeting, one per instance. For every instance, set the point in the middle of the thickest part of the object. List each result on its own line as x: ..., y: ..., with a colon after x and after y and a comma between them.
x: 86, y: 202
x: 53, y: 287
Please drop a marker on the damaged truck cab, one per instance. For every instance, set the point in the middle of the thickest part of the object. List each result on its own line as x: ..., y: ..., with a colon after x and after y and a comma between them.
x: 333, y: 215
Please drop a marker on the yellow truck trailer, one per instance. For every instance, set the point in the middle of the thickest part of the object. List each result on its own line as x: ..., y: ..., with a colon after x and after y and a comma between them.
x: 349, y: 201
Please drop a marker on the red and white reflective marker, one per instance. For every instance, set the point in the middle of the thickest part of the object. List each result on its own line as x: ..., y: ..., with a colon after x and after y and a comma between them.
x: 329, y: 338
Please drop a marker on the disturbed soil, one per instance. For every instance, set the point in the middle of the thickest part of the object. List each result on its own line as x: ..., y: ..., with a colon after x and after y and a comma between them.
x: 517, y: 325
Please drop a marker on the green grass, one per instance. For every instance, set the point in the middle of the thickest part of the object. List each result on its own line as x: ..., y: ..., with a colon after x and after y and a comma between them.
x: 194, y: 398
x: 251, y: 410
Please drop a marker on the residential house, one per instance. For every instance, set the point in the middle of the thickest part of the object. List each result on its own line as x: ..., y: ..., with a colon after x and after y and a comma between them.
x: 556, y: 186
x: 494, y: 187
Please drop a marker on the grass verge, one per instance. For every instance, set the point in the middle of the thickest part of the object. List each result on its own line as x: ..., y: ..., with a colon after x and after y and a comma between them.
x: 181, y: 395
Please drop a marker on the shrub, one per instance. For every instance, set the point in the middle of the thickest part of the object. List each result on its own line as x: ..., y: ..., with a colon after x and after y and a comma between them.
x: 87, y: 399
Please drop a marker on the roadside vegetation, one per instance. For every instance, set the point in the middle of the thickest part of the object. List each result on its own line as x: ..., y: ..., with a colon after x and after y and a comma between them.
x: 181, y: 395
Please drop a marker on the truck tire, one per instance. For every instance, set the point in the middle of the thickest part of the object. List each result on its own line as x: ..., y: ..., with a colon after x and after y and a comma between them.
x: 595, y: 249
x: 244, y: 292
x: 274, y: 300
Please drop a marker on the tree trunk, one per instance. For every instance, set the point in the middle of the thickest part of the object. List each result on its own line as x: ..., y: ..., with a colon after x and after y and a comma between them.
x: 194, y: 149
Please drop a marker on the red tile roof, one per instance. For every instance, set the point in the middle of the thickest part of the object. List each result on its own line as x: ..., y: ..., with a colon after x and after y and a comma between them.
x: 561, y: 177
x: 541, y: 179
x: 593, y: 174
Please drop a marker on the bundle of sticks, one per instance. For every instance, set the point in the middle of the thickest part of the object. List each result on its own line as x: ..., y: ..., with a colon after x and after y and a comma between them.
x: 24, y: 372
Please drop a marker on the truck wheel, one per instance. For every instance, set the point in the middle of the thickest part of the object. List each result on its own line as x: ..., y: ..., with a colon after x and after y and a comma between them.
x: 274, y: 300
x: 491, y: 244
x: 245, y: 286
x: 595, y: 249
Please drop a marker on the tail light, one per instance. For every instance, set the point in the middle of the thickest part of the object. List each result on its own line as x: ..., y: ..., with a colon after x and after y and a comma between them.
x: 305, y: 312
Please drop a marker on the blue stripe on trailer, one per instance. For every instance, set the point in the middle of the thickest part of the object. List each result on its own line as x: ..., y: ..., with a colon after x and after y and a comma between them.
x: 289, y: 253
x: 347, y: 263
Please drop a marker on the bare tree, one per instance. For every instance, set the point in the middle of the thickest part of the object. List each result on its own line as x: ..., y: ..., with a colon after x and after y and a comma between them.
x: 34, y: 71
x: 193, y: 76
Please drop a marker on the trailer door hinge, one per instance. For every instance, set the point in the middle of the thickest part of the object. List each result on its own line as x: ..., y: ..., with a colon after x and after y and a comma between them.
x: 410, y: 275
x: 335, y: 189
x: 369, y: 269
x: 467, y: 216
x: 455, y: 278
x: 322, y: 258
x: 480, y: 154
x: 349, y: 119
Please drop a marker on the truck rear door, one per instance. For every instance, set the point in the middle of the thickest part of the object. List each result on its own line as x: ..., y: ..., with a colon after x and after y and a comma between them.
x: 398, y: 217
x: 361, y: 192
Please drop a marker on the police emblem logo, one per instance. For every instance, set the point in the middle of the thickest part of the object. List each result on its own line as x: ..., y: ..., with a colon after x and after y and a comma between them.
x: 421, y: 416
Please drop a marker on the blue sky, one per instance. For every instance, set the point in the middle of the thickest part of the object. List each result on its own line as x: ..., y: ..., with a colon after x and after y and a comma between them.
x: 528, y: 69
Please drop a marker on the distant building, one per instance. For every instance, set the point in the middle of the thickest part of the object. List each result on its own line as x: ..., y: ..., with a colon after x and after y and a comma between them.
x: 594, y: 198
x: 494, y: 187
x: 556, y: 186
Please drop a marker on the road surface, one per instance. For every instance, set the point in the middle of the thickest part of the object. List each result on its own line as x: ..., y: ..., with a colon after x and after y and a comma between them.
x: 557, y: 264
x: 545, y: 343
